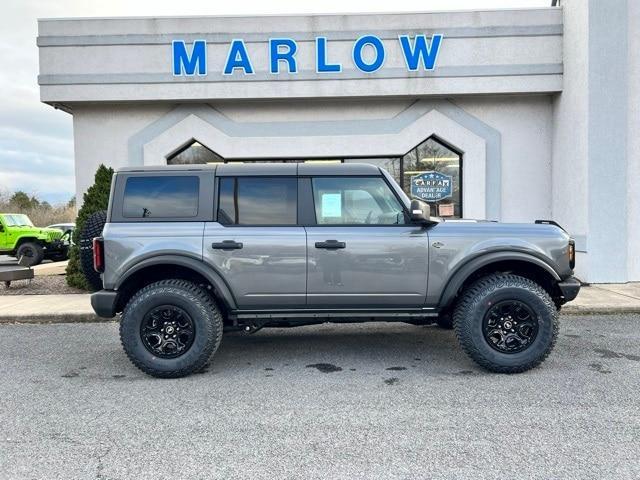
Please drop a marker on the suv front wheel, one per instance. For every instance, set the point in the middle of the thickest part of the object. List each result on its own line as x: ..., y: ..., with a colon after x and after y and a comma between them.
x: 506, y: 323
x: 30, y: 254
x: 171, y: 328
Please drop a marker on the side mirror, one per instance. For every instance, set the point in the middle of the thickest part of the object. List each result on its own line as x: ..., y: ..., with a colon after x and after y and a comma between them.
x: 420, y: 212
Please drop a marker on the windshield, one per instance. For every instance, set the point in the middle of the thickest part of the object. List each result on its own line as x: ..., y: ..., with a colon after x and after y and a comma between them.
x: 17, y: 220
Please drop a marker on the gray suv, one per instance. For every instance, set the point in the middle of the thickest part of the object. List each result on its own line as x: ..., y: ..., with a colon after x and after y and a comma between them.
x: 188, y: 252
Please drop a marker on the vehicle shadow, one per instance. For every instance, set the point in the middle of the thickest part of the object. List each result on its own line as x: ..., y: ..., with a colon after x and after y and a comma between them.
x: 389, y: 344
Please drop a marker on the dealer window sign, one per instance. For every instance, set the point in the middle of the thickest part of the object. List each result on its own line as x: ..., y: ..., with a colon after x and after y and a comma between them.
x: 368, y: 55
x: 431, y: 186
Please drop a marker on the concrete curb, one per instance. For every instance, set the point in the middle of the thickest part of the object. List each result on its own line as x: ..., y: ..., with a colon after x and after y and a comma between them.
x: 599, y: 309
x: 54, y: 318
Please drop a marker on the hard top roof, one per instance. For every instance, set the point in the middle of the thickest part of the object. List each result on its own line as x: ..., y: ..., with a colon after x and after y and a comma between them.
x: 246, y: 169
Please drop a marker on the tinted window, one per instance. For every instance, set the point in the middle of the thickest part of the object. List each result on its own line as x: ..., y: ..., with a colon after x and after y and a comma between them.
x: 355, y: 201
x: 258, y: 201
x: 161, y: 197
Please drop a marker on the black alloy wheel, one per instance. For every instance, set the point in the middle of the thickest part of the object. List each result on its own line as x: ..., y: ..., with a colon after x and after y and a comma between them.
x: 167, y: 331
x: 510, y: 326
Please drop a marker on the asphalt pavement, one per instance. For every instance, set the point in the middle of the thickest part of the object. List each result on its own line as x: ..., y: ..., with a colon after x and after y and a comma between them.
x: 332, y: 401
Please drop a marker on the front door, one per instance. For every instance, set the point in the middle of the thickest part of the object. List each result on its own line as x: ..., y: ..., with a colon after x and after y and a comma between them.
x: 363, y: 252
x: 256, y: 244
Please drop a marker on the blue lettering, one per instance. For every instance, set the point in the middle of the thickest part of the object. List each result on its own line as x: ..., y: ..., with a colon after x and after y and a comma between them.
x: 276, y: 55
x: 420, y: 51
x: 376, y: 43
x: 185, y: 64
x: 237, y: 58
x: 321, y: 58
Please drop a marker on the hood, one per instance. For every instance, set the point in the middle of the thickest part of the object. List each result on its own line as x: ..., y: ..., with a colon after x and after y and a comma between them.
x: 51, y: 233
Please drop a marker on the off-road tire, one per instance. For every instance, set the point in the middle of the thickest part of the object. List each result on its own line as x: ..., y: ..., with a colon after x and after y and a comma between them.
x: 194, y: 300
x: 445, y: 320
x: 92, y: 228
x: 59, y: 257
x: 32, y: 254
x: 475, y: 302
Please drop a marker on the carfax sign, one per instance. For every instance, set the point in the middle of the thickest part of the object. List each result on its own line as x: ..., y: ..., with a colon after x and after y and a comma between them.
x: 431, y: 186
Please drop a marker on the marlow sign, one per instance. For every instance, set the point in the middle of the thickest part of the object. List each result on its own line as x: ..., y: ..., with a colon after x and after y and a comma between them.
x: 282, y: 53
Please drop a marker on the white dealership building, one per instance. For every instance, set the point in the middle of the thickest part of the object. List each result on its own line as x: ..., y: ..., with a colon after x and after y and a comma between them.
x: 514, y: 115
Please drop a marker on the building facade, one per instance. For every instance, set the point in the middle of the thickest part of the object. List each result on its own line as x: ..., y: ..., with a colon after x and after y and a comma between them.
x: 510, y: 115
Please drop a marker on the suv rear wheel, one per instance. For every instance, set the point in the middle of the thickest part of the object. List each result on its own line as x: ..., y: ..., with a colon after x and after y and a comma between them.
x: 506, y: 323
x: 171, y: 328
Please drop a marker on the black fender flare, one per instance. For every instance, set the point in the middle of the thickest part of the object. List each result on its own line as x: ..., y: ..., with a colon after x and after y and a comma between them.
x: 463, y: 272
x: 217, y: 281
x: 26, y: 239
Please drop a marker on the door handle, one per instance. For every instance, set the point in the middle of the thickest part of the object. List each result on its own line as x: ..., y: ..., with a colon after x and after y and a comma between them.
x: 227, y: 245
x: 331, y: 244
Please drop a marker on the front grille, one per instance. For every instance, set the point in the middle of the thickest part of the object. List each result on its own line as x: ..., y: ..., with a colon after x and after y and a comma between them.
x: 54, y: 236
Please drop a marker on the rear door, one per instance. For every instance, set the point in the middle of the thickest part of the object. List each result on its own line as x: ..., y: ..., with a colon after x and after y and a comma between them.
x: 256, y: 243
x: 362, y: 251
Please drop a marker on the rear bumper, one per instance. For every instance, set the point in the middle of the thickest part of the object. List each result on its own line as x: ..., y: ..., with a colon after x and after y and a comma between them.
x: 104, y: 303
x: 569, y: 288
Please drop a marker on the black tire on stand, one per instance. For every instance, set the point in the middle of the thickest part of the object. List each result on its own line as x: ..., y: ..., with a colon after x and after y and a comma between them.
x: 92, y: 228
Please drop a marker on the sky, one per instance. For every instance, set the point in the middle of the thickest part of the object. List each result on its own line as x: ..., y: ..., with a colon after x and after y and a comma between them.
x: 36, y: 141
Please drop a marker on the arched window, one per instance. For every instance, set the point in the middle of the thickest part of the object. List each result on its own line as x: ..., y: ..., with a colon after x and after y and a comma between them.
x: 194, y: 153
x: 432, y: 172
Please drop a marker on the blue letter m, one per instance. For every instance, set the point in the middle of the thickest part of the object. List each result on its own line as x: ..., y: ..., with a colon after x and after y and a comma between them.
x: 420, y: 50
x: 185, y: 64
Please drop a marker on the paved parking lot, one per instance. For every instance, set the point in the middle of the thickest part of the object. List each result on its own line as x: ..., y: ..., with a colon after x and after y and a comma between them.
x: 332, y: 401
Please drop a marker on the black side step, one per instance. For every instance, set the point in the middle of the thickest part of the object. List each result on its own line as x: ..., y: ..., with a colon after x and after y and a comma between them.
x: 342, y: 314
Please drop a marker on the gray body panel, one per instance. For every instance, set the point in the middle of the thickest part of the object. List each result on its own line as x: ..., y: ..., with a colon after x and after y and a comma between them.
x: 380, y: 266
x: 127, y: 244
x: 461, y: 242
x: 269, y: 270
x: 279, y: 267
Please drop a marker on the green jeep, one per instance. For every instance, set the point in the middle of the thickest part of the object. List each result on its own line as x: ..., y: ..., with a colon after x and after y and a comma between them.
x: 19, y: 238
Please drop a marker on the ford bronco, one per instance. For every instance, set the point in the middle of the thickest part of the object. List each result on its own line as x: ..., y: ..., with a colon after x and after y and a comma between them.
x: 188, y: 252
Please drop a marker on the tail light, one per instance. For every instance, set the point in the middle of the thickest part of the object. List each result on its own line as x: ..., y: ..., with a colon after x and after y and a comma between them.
x: 572, y: 254
x: 98, y: 254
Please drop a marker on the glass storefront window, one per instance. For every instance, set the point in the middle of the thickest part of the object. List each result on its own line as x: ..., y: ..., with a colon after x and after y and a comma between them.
x: 194, y: 153
x: 332, y: 160
x: 431, y: 172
